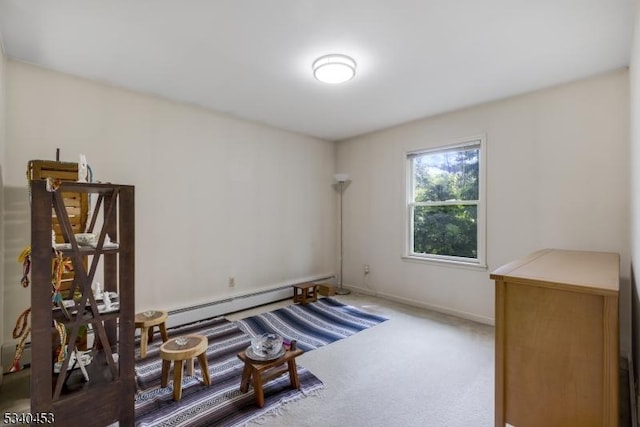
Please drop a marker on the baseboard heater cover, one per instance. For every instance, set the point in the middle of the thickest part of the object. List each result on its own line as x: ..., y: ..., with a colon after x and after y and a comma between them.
x: 183, y: 316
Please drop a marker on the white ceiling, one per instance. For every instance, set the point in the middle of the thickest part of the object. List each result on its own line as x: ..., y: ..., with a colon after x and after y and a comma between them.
x: 252, y: 58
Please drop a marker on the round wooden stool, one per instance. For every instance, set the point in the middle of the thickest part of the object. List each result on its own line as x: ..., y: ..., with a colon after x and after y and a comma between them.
x: 178, y: 350
x: 146, y: 321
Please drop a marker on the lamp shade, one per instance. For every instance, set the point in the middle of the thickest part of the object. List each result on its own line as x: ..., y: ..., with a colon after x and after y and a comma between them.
x: 341, y: 177
x: 334, y: 68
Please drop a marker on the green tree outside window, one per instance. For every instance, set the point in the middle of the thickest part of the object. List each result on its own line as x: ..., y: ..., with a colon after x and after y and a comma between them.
x: 444, y: 202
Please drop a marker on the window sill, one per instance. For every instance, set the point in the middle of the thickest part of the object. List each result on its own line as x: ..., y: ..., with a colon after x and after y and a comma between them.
x: 446, y: 263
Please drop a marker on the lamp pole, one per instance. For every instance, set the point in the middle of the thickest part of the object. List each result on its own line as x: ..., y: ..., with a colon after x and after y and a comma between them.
x: 341, y: 181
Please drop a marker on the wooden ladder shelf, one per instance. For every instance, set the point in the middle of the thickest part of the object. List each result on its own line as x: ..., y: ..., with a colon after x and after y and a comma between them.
x: 111, y: 385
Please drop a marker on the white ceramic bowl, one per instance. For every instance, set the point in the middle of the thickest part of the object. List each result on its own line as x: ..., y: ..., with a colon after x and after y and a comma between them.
x: 86, y: 239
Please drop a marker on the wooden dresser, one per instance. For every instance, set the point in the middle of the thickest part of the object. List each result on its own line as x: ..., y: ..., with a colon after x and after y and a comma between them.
x: 557, y: 340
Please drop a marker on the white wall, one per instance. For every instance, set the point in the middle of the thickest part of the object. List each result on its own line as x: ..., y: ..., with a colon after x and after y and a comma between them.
x: 557, y: 176
x: 215, y: 196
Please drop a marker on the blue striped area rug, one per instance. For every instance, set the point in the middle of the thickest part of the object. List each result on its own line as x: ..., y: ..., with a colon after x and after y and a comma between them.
x: 313, y: 325
x: 221, y: 403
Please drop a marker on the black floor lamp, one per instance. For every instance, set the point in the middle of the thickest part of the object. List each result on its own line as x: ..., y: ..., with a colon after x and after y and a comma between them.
x: 342, y: 180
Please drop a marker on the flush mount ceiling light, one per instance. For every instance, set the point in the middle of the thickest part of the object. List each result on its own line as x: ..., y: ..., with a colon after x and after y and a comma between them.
x: 334, y: 68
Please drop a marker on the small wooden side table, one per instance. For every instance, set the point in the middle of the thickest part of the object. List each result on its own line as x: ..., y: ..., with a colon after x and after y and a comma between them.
x: 194, y: 346
x: 146, y: 321
x: 305, y: 292
x: 261, y: 372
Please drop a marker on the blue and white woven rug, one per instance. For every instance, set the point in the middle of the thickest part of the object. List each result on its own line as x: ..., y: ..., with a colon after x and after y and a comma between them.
x: 312, y: 325
x: 222, y: 403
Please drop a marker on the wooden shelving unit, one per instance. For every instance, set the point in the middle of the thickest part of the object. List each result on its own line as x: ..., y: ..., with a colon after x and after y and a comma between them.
x: 108, y: 396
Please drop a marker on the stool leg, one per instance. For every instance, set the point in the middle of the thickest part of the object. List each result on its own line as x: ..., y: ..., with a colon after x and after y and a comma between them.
x: 177, y: 380
x: 246, y: 377
x: 166, y: 365
x: 143, y: 342
x: 204, y: 367
x: 293, y: 373
x: 150, y: 334
x: 257, y: 387
x: 189, y: 367
x: 163, y: 332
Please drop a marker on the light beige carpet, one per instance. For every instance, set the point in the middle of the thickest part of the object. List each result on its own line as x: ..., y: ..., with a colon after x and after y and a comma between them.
x: 419, y: 368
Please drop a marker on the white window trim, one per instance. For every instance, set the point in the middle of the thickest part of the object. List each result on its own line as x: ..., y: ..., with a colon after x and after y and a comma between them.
x: 481, y: 261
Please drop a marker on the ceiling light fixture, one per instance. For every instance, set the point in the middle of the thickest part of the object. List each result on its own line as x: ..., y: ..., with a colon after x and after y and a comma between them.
x: 334, y: 68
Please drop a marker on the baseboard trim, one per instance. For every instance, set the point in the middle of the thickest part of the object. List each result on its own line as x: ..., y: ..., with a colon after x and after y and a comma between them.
x: 440, y: 309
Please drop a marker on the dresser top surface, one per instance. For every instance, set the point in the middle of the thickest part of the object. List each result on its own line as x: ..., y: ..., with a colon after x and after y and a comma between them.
x: 597, y: 271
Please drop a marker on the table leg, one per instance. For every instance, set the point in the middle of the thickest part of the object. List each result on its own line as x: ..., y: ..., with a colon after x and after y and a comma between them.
x: 293, y: 373
x: 257, y: 388
x: 189, y: 368
x: 163, y: 332
x: 143, y: 341
x: 166, y: 365
x: 204, y: 367
x: 177, y: 380
x: 246, y: 377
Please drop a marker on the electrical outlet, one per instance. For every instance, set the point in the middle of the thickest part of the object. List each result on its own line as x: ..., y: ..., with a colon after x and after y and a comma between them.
x: 366, y: 269
x: 232, y: 281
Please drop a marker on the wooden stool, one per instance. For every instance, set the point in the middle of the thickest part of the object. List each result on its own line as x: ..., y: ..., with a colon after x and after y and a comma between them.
x: 146, y: 321
x: 262, y: 372
x: 304, y: 293
x: 194, y: 346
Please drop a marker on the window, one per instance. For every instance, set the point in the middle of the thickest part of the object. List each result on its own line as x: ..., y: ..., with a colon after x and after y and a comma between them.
x: 445, y: 207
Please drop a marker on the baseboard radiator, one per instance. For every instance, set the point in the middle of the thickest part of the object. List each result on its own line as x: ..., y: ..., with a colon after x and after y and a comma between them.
x: 191, y: 314
x: 194, y: 313
x: 233, y: 304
